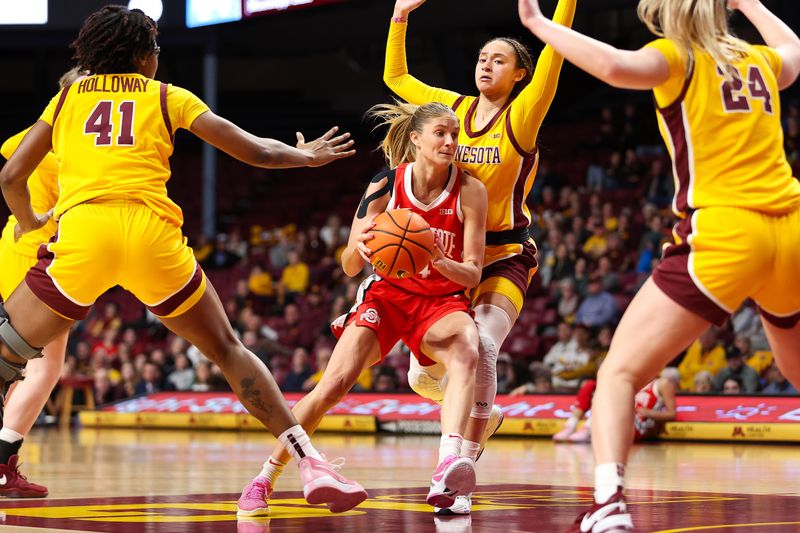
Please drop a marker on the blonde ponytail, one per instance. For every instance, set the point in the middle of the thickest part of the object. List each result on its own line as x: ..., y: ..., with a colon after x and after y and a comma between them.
x: 695, y: 23
x: 403, y: 118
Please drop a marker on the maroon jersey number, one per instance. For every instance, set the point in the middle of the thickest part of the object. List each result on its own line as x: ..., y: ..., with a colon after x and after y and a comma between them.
x: 100, y: 123
x: 734, y: 98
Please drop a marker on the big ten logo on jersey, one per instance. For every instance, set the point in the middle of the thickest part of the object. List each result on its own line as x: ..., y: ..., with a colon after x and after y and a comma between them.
x: 446, y: 239
x: 735, y: 99
x: 489, y: 155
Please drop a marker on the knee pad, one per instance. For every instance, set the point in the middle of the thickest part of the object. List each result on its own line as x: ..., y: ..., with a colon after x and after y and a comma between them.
x: 13, y: 341
x: 485, y: 378
x: 423, y: 381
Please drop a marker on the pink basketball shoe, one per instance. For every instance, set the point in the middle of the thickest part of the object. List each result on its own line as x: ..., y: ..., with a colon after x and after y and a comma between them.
x: 453, y: 477
x: 323, y: 484
x: 254, y: 500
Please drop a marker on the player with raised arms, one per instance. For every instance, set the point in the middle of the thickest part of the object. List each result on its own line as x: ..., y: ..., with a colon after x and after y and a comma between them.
x: 112, y: 133
x: 429, y: 311
x: 738, y: 236
x: 497, y: 145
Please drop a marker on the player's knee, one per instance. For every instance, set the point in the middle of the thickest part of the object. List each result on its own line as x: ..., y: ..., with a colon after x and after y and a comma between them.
x: 12, y: 345
x: 332, y: 388
x: 464, y: 353
x: 425, y: 385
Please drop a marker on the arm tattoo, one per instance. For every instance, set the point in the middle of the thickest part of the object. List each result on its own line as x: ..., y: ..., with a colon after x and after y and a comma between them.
x: 387, y: 188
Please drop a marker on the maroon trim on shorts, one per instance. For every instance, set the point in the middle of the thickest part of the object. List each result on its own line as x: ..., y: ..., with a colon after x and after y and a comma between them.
x: 673, y: 118
x: 515, y: 269
x: 471, y: 112
x: 164, y: 109
x: 60, y: 103
x: 514, y: 141
x: 518, y: 198
x: 672, y: 277
x: 176, y: 300
x: 43, y: 286
x: 783, y: 322
x: 457, y: 102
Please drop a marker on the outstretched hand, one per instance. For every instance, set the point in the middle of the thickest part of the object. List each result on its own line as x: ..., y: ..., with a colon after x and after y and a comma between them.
x: 404, y: 7
x: 529, y: 11
x: 326, y: 148
x: 41, y: 220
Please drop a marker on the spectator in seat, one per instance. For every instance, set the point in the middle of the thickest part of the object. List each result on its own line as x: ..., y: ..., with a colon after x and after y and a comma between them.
x: 736, y: 368
x: 568, y: 301
x: 386, y: 380
x: 150, y: 381
x: 704, y: 354
x: 129, y: 380
x: 506, y: 377
x: 599, y: 308
x: 300, y: 372
x: 104, y: 390
x: 777, y: 384
x: 759, y: 361
x: 539, y: 381
x: 323, y: 356
x: 260, y: 283
x: 221, y: 257
x: 596, y: 244
x: 202, y: 248
x: 703, y: 382
x: 182, y: 377
x: 202, y: 377
x: 296, y: 276
x: 110, y: 320
x: 567, y: 356
x: 732, y: 385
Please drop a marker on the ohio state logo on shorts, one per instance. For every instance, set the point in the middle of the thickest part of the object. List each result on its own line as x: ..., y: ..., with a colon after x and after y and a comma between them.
x: 371, y: 316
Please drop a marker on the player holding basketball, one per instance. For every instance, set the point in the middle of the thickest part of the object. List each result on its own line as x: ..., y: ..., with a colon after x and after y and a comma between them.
x: 27, y: 398
x: 112, y: 133
x: 719, y: 113
x: 497, y: 145
x: 429, y: 311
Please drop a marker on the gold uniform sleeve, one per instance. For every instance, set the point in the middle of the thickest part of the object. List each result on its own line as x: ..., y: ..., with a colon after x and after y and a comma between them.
x: 773, y: 58
x: 184, y: 107
x: 532, y: 104
x: 397, y: 78
x: 670, y: 90
x: 49, y: 112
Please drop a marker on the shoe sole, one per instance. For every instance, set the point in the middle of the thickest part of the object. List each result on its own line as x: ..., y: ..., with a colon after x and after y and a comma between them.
x: 264, y: 511
x: 461, y: 477
x: 337, y: 496
x: 499, y: 423
x: 22, y: 494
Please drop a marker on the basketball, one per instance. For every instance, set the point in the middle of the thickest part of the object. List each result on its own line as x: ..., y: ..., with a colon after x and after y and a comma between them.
x: 403, y: 244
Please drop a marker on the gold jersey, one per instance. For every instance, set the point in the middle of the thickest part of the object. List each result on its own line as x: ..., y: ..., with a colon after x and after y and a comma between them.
x: 43, y: 189
x: 725, y: 138
x: 113, y: 136
x: 503, y: 154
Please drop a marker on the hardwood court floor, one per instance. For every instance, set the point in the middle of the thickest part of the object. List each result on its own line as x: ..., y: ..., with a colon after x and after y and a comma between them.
x: 171, y: 481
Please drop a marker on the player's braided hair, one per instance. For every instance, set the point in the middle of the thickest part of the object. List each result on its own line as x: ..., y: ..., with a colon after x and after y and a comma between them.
x: 523, y: 60
x: 112, y: 38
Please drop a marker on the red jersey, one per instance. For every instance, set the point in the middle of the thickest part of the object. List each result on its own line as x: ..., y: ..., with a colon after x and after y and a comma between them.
x: 446, y: 220
x: 647, y: 398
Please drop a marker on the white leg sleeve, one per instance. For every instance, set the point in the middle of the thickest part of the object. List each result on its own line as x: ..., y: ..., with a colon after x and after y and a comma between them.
x: 427, y: 381
x: 494, y: 324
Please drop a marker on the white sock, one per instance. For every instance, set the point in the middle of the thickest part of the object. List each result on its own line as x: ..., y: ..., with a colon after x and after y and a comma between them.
x: 297, y: 442
x: 470, y: 449
x: 608, y: 477
x: 272, y: 470
x: 9, y: 435
x: 450, y: 444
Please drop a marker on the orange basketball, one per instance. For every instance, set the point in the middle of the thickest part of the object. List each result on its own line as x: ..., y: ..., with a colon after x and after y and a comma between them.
x: 403, y: 244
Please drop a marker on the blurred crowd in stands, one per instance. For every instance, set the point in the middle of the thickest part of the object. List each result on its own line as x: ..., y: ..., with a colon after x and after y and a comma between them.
x: 601, y: 205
